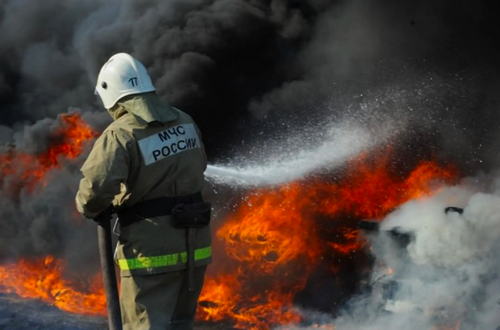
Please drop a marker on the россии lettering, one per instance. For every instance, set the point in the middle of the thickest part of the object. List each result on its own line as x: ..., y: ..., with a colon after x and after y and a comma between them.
x: 174, y: 148
x: 169, y: 142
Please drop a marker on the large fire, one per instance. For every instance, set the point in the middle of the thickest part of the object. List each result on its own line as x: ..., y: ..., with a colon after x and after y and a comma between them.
x: 275, y: 240
x: 266, y: 250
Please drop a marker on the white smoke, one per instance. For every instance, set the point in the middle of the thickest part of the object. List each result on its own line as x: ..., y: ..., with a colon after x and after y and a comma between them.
x: 447, y: 277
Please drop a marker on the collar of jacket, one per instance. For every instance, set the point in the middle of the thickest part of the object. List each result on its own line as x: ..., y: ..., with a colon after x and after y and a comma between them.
x: 147, y: 108
x: 116, y: 112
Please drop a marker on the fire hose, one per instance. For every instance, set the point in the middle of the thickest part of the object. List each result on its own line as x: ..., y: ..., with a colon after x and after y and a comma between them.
x: 104, y: 235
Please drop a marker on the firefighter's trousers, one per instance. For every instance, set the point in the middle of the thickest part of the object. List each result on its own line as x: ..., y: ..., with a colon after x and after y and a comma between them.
x: 160, y: 301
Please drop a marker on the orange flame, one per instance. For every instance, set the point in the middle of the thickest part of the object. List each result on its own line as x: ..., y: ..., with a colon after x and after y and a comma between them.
x: 274, y: 238
x: 19, y: 169
x: 42, y: 279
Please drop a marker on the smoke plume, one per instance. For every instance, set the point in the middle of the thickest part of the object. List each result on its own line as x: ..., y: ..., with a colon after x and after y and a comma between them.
x: 240, y: 66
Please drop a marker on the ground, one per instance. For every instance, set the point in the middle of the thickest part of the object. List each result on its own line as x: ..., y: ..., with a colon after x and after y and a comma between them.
x: 25, y: 314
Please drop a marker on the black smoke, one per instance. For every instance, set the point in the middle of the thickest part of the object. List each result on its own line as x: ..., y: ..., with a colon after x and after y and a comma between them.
x: 239, y: 66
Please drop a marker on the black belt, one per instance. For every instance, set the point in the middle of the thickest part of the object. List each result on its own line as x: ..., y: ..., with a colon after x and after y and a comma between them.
x: 154, y: 208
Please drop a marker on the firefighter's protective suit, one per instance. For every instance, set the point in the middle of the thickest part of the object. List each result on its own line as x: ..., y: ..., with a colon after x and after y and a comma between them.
x: 150, y: 151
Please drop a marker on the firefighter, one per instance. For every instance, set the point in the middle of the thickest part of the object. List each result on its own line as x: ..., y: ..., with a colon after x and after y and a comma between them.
x: 149, y: 164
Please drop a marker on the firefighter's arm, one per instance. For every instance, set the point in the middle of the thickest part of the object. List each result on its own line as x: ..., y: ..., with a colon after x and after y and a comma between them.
x: 104, y: 171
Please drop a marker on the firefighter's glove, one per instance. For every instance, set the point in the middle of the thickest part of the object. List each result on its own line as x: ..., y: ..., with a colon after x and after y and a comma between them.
x: 105, y: 215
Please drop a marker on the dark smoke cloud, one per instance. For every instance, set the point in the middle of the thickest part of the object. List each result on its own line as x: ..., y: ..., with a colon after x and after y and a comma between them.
x: 40, y: 220
x: 207, y: 57
x: 237, y: 65
x: 432, y: 63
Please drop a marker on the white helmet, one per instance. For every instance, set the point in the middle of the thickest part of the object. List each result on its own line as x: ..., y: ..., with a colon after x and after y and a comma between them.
x: 122, y: 75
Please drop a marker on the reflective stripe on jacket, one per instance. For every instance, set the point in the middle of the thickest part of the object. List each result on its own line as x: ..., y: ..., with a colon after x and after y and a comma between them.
x: 164, y: 260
